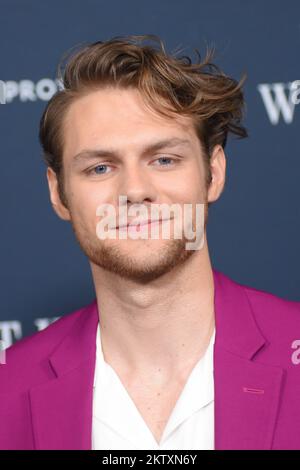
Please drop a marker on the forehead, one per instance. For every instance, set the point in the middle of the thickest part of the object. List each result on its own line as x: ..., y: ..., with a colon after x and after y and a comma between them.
x: 119, y: 117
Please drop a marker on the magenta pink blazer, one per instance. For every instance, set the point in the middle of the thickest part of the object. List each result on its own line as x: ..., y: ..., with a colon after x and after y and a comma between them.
x: 47, y: 381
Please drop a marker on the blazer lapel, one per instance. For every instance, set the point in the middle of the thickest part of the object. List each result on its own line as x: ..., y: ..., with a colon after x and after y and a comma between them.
x: 247, y: 392
x: 62, y: 407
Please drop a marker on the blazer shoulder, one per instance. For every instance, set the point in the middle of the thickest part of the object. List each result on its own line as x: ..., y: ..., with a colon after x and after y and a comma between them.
x: 35, y: 347
x: 260, y: 299
x: 269, y: 300
x: 272, y: 311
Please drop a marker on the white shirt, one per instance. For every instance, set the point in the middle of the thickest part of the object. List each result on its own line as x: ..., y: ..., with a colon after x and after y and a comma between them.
x: 118, y: 425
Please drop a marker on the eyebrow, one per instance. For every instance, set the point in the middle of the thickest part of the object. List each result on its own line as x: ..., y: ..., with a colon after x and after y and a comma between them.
x: 89, y: 154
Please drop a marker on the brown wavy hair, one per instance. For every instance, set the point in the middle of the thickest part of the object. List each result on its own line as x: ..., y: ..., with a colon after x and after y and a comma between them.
x: 169, y: 84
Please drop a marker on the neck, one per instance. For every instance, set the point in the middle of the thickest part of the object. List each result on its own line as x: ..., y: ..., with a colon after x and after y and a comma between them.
x: 163, y: 326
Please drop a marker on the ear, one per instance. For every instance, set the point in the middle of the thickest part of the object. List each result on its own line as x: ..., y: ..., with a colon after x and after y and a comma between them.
x: 218, y: 173
x: 56, y: 202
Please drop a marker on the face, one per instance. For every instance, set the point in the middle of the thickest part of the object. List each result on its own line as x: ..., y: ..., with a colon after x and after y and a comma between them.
x: 115, y: 145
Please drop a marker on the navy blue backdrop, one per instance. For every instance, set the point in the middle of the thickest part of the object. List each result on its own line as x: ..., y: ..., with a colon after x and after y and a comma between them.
x: 253, y: 230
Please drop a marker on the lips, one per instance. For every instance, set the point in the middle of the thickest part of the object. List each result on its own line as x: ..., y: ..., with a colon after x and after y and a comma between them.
x: 140, y: 223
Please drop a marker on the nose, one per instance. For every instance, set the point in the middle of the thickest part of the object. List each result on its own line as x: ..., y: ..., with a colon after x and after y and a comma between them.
x: 137, y: 185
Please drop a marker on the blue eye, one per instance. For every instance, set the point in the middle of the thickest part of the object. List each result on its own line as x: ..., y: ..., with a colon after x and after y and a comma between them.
x: 101, y: 167
x: 95, y: 169
x: 165, y: 160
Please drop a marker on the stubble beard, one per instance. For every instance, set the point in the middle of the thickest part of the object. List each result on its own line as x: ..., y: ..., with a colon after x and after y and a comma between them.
x: 111, y: 257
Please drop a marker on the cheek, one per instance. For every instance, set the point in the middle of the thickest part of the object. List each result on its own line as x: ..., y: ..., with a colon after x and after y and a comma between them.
x: 82, y: 205
x: 196, y: 186
x: 191, y: 181
x: 83, y: 195
x: 188, y: 191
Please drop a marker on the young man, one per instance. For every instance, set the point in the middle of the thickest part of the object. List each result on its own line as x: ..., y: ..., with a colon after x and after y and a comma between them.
x: 171, y: 354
